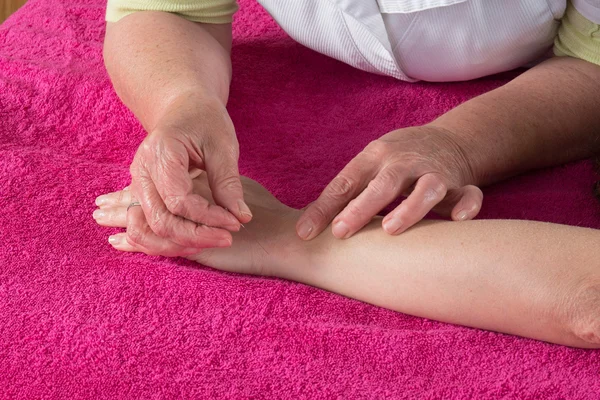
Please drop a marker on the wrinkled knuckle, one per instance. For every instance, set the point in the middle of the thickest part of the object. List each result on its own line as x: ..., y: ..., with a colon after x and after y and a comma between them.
x: 341, y: 186
x: 151, y: 142
x: 121, y: 196
x: 175, y: 204
x: 436, y: 191
x: 377, y: 149
x: 230, y: 183
x: 199, y: 230
x: 354, y: 210
x: 318, y: 214
x: 136, y: 236
x: 585, y: 318
x: 390, y: 180
x: 378, y: 187
x: 147, y: 146
x: 158, y: 226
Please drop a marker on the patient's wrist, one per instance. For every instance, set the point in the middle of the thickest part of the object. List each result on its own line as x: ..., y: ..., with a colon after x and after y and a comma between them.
x: 300, y: 260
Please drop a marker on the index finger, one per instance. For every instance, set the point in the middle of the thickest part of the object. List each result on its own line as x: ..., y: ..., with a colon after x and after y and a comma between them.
x: 169, y: 174
x: 344, y: 187
x: 179, y: 230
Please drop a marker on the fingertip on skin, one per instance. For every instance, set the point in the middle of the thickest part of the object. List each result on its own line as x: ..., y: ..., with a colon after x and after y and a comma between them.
x: 394, y: 225
x: 235, y: 228
x: 340, y: 229
x: 304, y: 229
x: 470, y: 204
x: 465, y: 215
x: 219, y: 237
x: 223, y: 243
x: 239, y: 219
x: 462, y: 215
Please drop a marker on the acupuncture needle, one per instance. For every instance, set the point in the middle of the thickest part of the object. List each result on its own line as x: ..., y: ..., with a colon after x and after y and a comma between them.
x: 253, y: 237
x: 261, y: 246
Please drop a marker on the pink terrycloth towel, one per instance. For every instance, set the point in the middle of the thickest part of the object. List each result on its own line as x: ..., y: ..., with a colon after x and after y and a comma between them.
x: 79, y: 319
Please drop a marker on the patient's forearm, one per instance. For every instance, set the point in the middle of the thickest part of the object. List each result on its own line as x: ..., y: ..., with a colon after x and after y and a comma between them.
x: 155, y: 58
x: 525, y: 278
x: 547, y: 116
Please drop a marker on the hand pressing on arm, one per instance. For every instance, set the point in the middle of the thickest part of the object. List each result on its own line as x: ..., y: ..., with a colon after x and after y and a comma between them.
x: 547, y: 116
x: 428, y: 161
x: 174, y: 75
x: 531, y: 279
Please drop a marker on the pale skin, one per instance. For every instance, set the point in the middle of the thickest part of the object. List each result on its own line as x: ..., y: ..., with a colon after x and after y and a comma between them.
x: 175, y: 74
x: 531, y: 279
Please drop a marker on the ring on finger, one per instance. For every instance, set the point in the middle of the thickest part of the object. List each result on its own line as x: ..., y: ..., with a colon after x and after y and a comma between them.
x: 133, y: 204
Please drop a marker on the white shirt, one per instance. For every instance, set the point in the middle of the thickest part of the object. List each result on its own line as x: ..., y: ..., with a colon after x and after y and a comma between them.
x: 432, y: 40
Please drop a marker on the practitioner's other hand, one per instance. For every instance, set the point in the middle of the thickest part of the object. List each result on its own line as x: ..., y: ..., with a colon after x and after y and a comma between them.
x: 425, y: 163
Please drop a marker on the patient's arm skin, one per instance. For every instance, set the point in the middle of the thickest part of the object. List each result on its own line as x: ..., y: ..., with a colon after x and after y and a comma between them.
x: 531, y: 279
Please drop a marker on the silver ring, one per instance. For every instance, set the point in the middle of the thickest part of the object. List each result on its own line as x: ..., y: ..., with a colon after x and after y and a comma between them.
x: 133, y: 204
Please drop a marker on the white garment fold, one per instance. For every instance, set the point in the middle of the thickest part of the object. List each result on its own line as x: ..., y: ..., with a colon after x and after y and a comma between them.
x: 433, y: 40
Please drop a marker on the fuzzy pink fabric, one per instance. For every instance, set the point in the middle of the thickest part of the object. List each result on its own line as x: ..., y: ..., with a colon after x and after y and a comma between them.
x: 81, y: 320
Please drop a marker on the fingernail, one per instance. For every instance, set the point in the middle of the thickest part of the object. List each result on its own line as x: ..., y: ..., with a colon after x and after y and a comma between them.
x: 114, y: 240
x: 101, y: 200
x: 305, y: 229
x: 462, y: 215
x: 392, y: 225
x: 224, y: 243
x: 340, y: 229
x: 98, y: 214
x: 244, y: 208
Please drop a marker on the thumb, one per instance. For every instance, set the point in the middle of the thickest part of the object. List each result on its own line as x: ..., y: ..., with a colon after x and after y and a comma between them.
x: 469, y: 204
x: 223, y: 175
x: 461, y: 204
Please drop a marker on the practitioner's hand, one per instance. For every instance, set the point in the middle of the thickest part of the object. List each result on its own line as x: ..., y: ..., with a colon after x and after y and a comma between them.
x: 257, y: 248
x: 425, y: 163
x: 193, y: 133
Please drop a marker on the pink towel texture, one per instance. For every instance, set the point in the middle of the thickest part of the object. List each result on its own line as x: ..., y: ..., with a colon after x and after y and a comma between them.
x: 79, y: 319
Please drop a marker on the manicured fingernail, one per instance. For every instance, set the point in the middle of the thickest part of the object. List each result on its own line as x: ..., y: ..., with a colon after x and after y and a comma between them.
x: 101, y: 200
x: 462, y: 215
x: 340, y: 229
x: 114, y: 240
x: 392, y: 225
x: 98, y: 214
x: 244, y: 208
x: 305, y: 229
